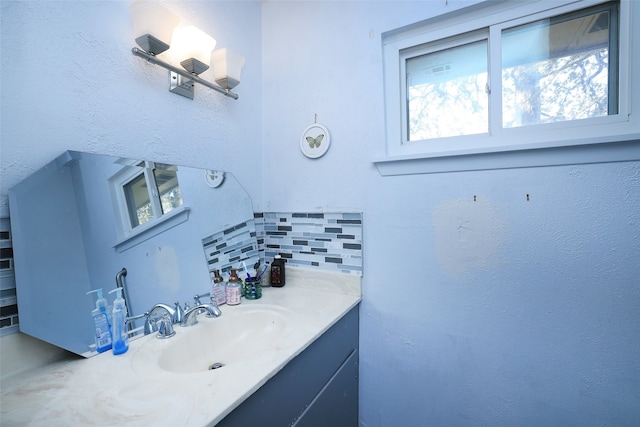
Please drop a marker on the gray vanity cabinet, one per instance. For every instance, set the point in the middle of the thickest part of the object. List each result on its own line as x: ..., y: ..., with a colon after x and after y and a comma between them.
x: 317, y: 388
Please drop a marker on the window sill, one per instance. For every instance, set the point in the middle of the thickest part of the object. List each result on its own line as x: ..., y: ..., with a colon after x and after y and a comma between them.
x: 468, y: 160
x: 166, y: 222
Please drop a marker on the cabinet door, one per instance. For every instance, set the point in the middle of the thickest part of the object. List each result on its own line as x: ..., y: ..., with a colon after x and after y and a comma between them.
x: 337, y: 404
x: 286, y: 397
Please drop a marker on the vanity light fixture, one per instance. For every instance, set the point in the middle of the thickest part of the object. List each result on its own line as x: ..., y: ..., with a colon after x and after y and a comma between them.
x: 227, y: 68
x: 153, y: 26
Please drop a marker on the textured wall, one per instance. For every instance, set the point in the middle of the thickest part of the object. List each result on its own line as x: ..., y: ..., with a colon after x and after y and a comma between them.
x: 538, y: 325
x: 498, y: 311
x: 69, y: 81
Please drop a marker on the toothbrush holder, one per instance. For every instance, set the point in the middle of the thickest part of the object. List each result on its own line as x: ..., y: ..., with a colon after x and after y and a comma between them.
x: 252, y: 288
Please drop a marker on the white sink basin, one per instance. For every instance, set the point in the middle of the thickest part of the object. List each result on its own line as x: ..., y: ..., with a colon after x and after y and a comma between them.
x: 240, y: 333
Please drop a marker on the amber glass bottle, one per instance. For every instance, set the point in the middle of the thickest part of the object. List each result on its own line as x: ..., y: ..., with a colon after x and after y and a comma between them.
x: 278, y: 272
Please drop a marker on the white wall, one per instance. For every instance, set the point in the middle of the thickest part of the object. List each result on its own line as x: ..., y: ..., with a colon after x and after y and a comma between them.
x: 501, y: 311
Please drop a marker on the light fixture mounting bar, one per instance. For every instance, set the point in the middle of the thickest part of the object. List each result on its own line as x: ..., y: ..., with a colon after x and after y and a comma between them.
x: 151, y: 58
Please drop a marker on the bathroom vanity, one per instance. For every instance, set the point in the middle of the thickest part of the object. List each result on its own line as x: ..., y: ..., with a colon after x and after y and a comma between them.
x: 289, y: 358
x: 317, y: 388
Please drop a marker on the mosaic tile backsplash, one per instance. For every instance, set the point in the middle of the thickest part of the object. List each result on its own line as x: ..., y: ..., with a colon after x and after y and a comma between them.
x: 8, y: 302
x: 326, y: 241
x: 230, y: 247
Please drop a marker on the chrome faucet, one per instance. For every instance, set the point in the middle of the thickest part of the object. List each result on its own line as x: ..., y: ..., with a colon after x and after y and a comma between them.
x: 179, y: 314
x: 191, y: 315
x: 149, y: 325
x: 170, y: 311
x: 196, y: 298
x: 165, y: 327
x: 165, y: 323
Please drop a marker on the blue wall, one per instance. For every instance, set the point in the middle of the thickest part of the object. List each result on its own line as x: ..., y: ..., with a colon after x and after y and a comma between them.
x: 513, y: 312
x: 69, y: 82
x: 86, y: 91
x: 498, y: 311
x: 501, y: 311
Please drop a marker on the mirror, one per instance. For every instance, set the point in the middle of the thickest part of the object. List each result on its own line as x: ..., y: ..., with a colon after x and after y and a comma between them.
x: 83, y: 217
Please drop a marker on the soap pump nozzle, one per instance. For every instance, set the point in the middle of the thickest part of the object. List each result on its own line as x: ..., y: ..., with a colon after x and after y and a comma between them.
x: 101, y: 302
x: 119, y: 301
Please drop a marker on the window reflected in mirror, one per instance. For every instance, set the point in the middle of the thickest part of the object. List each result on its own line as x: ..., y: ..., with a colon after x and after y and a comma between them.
x: 136, y: 194
x: 168, y: 189
x: 148, y: 191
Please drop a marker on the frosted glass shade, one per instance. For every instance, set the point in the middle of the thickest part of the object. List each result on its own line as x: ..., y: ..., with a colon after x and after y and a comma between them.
x: 227, y: 67
x: 153, y: 25
x: 193, y: 48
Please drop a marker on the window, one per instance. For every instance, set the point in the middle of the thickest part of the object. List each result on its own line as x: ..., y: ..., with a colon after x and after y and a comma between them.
x: 146, y: 195
x: 509, y: 76
x: 444, y: 83
x: 561, y: 68
x: 151, y: 193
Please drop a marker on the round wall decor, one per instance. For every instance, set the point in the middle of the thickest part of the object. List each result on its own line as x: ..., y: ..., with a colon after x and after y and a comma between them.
x: 315, y: 141
x: 213, y: 178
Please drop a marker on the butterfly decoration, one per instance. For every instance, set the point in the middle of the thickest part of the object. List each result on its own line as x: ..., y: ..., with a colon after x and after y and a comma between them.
x: 315, y: 142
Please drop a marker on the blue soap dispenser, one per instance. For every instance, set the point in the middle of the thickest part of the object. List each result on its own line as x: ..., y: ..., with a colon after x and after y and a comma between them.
x: 101, y: 324
x: 119, y: 334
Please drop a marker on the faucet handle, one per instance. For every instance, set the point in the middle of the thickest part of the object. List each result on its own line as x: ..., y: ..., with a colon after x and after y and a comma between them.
x: 165, y: 327
x: 215, y: 309
x: 196, y: 298
x: 150, y: 325
x: 178, y: 315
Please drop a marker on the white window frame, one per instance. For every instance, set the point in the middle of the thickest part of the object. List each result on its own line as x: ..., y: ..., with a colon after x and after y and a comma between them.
x: 610, y: 138
x: 129, y: 235
x: 122, y: 180
x: 416, y: 51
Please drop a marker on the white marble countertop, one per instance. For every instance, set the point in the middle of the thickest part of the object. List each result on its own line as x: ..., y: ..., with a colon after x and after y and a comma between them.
x: 133, y: 390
